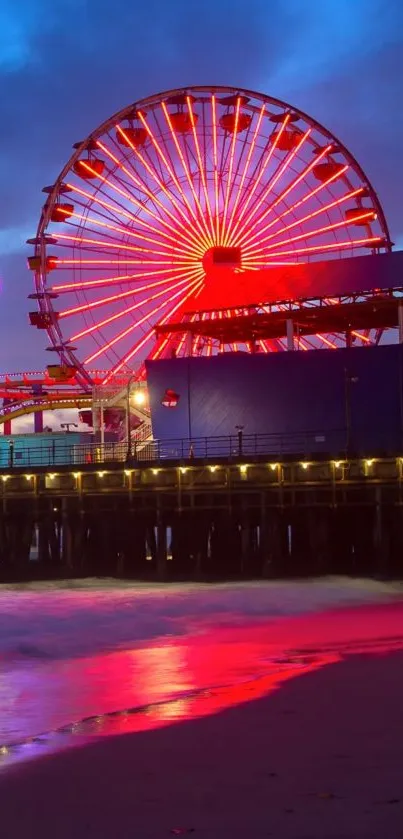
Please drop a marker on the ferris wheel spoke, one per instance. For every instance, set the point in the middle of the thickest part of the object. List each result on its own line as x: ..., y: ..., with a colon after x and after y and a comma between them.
x: 117, y: 315
x: 103, y: 301
x: 102, y: 245
x: 179, y: 217
x: 318, y: 231
x: 285, y: 192
x: 323, y: 209
x: 256, y: 178
x: 124, y: 231
x: 185, y: 166
x: 372, y: 240
x: 202, y: 172
x: 244, y: 174
x: 121, y: 335
x: 275, y: 179
x: 230, y: 167
x: 172, y: 174
x: 137, y: 347
x: 132, y: 200
x: 181, y: 221
x: 186, y: 243
x: 85, y: 285
x: 140, y: 183
x: 215, y: 168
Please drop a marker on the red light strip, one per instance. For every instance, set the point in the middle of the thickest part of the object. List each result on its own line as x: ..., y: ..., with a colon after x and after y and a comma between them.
x: 286, y: 192
x: 326, y: 341
x: 119, y: 246
x: 272, y: 182
x: 332, y: 246
x: 161, y: 185
x: 64, y: 287
x: 306, y: 198
x: 230, y: 168
x: 201, y: 170
x: 209, y: 347
x: 160, y: 348
x: 362, y: 337
x: 256, y: 183
x: 184, y: 164
x: 138, y: 323
x: 215, y: 164
x: 126, y: 231
x: 147, y: 337
x: 133, y: 218
x: 129, y: 197
x: 138, y: 182
x: 180, y: 346
x: 89, y: 262
x: 122, y: 313
x: 172, y: 174
x: 301, y: 343
x: 300, y: 221
x: 243, y: 176
x: 316, y: 232
x: 112, y: 299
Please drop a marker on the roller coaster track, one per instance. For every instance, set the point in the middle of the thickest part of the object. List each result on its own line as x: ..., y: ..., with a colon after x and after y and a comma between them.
x: 49, y: 402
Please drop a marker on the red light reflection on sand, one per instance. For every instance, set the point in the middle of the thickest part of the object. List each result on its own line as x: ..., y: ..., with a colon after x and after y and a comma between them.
x: 186, y: 677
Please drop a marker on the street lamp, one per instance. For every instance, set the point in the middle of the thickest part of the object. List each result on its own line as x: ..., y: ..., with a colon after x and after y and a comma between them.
x: 240, y: 429
x: 139, y: 400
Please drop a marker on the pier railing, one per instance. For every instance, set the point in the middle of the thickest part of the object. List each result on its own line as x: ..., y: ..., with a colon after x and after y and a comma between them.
x: 232, y: 447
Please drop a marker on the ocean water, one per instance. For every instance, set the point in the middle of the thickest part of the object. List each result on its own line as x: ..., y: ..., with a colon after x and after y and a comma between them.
x: 97, y: 657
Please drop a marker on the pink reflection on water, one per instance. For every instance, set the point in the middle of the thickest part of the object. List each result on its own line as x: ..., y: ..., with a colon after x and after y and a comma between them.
x: 180, y: 678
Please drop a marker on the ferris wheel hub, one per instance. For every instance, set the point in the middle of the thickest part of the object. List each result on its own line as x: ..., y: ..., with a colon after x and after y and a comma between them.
x: 221, y: 257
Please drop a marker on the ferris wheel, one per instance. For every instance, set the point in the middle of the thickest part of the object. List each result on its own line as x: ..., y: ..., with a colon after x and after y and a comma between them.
x: 128, y: 228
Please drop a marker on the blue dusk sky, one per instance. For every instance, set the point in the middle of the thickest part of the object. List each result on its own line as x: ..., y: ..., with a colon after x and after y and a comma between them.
x: 66, y: 65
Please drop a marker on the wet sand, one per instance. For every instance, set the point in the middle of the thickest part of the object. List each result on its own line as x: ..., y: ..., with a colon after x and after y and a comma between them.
x: 320, y: 757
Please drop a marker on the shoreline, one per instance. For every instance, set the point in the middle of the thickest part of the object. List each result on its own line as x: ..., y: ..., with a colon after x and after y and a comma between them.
x: 319, y: 757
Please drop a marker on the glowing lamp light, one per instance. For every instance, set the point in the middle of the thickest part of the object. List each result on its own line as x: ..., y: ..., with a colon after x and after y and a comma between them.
x: 5, y: 477
x: 369, y: 462
x: 213, y: 468
x: 76, y: 475
x: 155, y: 471
x: 28, y: 477
x: 139, y: 397
x: 51, y: 476
x: 243, y: 469
x: 337, y: 464
x: 100, y: 474
x: 183, y: 470
x: 305, y: 465
x: 273, y: 466
x: 128, y: 472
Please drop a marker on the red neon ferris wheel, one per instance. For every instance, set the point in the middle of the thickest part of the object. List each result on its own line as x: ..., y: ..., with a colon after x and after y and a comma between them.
x: 128, y: 229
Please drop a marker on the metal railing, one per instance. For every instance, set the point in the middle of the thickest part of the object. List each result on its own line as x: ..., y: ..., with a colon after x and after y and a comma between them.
x: 236, y: 446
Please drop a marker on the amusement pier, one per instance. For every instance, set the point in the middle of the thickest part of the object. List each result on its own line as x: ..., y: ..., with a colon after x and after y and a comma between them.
x: 224, y: 312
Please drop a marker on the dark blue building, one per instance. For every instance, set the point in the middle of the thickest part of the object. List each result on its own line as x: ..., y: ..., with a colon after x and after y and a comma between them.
x: 350, y: 397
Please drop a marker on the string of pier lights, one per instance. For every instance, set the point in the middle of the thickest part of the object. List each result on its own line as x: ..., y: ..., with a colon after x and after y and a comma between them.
x: 243, y: 469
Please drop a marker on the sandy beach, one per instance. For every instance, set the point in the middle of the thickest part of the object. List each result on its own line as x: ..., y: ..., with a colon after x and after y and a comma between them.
x: 320, y: 757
